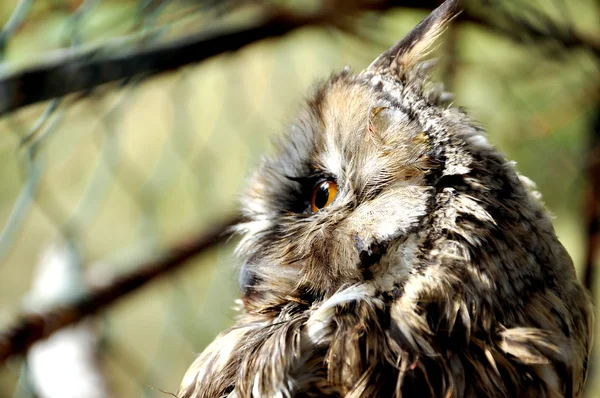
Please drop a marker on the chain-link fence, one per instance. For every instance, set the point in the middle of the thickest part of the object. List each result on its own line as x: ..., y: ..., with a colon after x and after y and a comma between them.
x: 125, y: 139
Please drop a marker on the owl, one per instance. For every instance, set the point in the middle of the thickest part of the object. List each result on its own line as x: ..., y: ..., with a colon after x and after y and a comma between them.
x: 389, y: 250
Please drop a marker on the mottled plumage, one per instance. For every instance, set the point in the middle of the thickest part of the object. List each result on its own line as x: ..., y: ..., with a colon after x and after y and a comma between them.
x: 434, y: 271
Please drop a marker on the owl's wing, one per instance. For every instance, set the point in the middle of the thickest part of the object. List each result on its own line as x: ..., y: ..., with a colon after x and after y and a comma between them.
x: 212, y: 374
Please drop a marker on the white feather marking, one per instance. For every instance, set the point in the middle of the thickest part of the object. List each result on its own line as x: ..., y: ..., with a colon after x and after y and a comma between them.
x: 478, y: 141
x: 318, y: 324
x: 255, y: 386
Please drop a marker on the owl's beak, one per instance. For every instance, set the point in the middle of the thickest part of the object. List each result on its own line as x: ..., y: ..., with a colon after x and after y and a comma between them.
x: 369, y: 254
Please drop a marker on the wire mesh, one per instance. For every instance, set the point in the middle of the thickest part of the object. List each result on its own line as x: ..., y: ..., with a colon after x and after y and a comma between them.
x: 120, y: 171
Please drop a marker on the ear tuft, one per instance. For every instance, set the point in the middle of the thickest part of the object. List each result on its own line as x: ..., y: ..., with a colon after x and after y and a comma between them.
x: 417, y: 44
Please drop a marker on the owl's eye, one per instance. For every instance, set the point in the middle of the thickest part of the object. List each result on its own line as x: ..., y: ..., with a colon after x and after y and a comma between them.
x: 323, y: 194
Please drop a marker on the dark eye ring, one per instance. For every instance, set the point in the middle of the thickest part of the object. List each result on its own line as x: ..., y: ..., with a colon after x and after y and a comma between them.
x: 323, y: 194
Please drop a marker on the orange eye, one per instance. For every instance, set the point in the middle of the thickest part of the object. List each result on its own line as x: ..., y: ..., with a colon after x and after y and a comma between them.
x: 322, y: 195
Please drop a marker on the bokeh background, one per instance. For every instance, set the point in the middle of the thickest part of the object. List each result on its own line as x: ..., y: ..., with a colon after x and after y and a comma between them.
x: 93, y: 184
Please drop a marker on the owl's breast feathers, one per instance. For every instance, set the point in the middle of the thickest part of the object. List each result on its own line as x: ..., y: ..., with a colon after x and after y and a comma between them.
x: 434, y: 336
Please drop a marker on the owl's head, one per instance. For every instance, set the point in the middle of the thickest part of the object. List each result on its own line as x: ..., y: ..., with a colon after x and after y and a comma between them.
x: 378, y: 178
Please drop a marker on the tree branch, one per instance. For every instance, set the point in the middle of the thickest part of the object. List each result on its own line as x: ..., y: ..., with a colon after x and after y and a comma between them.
x: 32, y: 327
x: 69, y: 71
x: 592, y: 206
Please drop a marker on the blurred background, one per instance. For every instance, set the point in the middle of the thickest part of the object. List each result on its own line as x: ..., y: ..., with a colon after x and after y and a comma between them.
x: 127, y: 128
